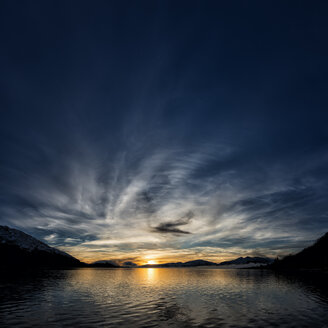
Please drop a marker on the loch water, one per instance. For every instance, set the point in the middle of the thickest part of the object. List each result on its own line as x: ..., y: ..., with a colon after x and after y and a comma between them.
x: 163, y: 297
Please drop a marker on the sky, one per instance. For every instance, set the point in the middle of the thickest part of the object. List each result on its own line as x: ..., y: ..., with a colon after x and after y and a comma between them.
x: 165, y: 130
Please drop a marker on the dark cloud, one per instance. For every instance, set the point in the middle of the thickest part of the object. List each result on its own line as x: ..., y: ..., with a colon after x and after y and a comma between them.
x: 172, y: 226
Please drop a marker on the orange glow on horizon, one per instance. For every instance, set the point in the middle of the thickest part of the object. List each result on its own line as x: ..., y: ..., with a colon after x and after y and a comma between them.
x: 151, y: 262
x: 154, y: 257
x: 90, y: 257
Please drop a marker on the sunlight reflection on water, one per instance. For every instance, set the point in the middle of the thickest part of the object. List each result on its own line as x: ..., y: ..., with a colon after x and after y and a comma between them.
x: 175, y: 297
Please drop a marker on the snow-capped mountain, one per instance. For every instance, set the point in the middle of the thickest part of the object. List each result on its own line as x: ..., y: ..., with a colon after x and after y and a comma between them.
x: 24, y: 241
x: 19, y: 248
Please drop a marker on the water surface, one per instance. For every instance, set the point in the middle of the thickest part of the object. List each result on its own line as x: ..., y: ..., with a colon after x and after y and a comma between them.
x: 165, y: 297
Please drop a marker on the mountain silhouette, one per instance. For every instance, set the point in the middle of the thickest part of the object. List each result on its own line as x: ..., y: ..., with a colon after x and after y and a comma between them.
x: 312, y: 257
x: 193, y: 263
x: 241, y: 261
x: 104, y: 264
x: 19, y: 249
x: 248, y: 260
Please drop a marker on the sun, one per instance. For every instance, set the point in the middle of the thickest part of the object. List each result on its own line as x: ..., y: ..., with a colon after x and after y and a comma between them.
x: 151, y: 262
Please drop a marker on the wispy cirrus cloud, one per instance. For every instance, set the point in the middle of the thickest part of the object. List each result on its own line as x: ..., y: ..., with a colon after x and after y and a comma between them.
x: 185, y: 149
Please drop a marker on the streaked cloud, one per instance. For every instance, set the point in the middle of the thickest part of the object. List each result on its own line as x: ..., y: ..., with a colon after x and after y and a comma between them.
x: 180, y: 149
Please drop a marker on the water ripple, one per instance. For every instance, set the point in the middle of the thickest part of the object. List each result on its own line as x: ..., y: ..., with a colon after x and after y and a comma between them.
x: 161, y: 298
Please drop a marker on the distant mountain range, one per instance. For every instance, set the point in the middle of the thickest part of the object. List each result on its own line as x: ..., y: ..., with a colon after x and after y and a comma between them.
x: 180, y: 264
x: 248, y: 260
x: 241, y: 261
x: 18, y: 249
x: 104, y: 264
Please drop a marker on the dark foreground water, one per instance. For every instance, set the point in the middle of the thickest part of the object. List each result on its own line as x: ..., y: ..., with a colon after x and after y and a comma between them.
x: 162, y: 298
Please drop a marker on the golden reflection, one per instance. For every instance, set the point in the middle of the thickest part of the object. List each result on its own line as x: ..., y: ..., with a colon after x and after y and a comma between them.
x: 151, y: 275
x: 168, y: 276
x: 164, y: 277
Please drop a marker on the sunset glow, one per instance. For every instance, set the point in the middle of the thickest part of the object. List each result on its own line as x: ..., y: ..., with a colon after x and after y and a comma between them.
x: 186, y: 137
x: 151, y: 262
x: 159, y: 160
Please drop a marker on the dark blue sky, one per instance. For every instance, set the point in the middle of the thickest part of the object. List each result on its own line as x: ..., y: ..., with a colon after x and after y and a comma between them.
x: 165, y: 129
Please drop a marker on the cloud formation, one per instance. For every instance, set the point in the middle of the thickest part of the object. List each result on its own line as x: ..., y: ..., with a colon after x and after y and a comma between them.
x: 189, y: 148
x: 172, y: 227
